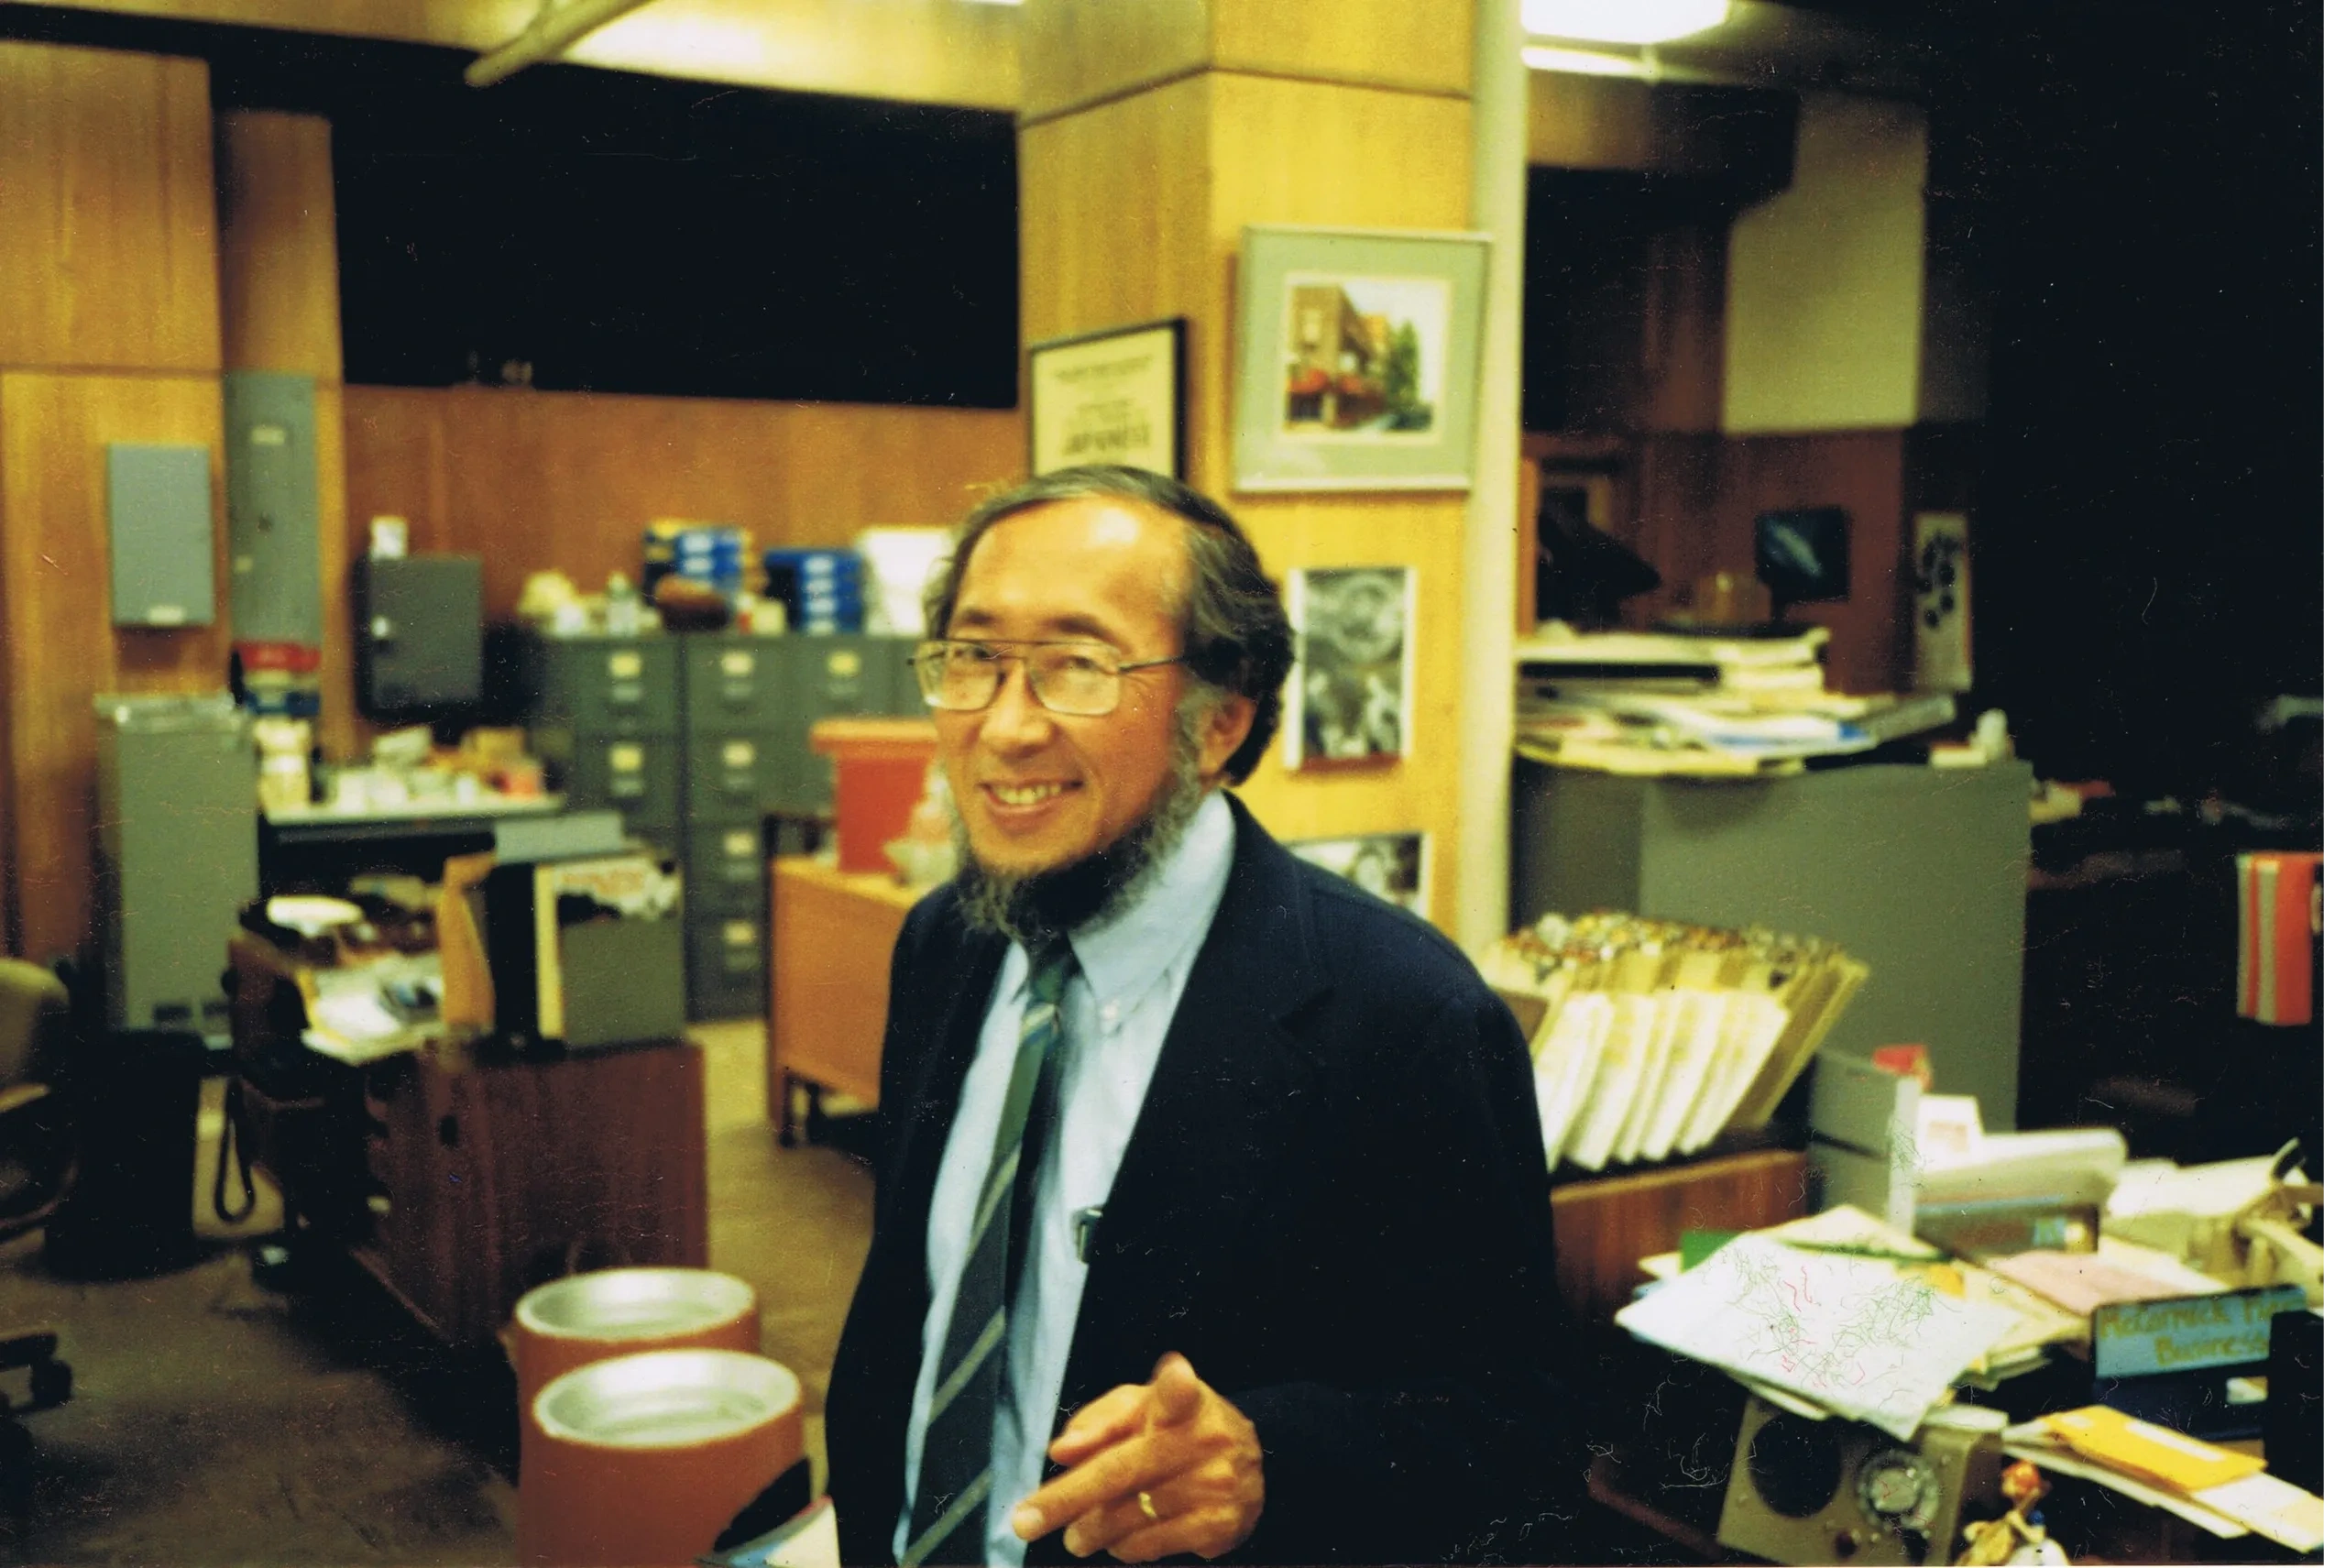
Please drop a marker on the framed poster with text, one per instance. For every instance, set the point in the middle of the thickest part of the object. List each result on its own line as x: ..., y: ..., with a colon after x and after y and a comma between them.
x: 1110, y: 397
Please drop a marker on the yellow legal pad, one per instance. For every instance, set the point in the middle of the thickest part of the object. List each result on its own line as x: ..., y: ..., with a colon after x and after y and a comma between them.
x: 2156, y: 1453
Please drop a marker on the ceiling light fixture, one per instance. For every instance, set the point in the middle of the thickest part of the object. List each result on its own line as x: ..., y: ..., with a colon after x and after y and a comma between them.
x: 1584, y: 61
x: 1621, y: 21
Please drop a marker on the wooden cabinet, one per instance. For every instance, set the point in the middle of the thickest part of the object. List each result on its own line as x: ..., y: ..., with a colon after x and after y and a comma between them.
x: 489, y: 1180
x: 834, y: 933
x: 459, y: 1181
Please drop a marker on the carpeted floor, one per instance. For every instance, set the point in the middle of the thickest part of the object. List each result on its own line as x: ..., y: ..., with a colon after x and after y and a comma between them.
x: 218, y: 1418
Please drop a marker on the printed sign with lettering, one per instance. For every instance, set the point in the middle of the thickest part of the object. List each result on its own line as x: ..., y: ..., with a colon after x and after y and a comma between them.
x: 2187, y: 1334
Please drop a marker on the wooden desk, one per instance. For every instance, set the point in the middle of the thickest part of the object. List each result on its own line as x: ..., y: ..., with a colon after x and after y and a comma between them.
x: 834, y: 933
x: 460, y: 1184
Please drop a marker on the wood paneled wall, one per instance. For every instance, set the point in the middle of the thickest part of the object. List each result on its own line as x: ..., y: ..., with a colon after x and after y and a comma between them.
x: 1694, y: 497
x: 106, y: 225
x: 110, y: 331
x: 566, y: 481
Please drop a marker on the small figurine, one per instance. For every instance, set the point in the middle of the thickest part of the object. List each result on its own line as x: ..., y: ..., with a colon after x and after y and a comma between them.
x: 1999, y: 1541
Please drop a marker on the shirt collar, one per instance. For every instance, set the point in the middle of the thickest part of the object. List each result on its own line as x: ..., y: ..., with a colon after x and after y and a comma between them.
x: 1124, y: 955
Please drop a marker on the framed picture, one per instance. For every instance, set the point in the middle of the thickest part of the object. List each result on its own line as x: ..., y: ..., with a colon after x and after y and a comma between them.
x: 1110, y: 397
x: 1359, y: 355
x: 1941, y: 585
x: 1391, y: 865
x: 1350, y: 690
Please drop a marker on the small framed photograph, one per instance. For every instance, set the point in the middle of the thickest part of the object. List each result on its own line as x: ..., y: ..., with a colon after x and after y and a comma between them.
x: 1116, y: 396
x: 1351, y: 687
x: 1393, y: 866
x: 1359, y: 358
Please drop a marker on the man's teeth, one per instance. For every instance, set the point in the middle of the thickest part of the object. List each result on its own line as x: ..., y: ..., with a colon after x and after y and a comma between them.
x: 1026, y: 795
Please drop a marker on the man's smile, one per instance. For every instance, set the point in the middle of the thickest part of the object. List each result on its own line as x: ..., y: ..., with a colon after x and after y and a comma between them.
x: 1026, y: 794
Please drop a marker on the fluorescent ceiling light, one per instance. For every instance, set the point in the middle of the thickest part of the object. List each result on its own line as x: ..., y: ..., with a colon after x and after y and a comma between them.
x: 1581, y: 61
x: 1621, y: 21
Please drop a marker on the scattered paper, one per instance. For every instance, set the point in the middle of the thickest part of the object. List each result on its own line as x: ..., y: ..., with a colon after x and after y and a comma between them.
x: 2271, y: 1507
x: 1858, y: 1335
x: 2047, y: 1453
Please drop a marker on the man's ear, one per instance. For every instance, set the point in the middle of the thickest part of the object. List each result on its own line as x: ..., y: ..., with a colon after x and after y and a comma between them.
x: 1225, y: 726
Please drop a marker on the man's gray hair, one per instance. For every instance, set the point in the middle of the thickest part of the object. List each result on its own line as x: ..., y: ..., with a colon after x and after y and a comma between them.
x: 1235, y: 634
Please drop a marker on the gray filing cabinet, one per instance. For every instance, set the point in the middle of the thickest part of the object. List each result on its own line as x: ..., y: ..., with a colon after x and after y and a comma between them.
x: 606, y: 715
x: 695, y: 739
x: 178, y: 855
x: 736, y: 754
x: 834, y: 675
x: 1921, y: 872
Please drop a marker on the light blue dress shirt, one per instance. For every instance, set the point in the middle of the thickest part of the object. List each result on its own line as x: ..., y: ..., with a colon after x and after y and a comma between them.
x: 1112, y: 1020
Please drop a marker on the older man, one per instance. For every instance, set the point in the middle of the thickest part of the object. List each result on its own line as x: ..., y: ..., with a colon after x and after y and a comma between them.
x: 1212, y: 1214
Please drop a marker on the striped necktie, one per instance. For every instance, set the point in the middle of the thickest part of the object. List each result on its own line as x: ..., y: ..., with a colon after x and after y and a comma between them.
x: 949, y: 1516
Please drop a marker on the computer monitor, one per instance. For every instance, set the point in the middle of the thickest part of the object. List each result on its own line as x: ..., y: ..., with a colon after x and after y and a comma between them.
x: 1802, y: 555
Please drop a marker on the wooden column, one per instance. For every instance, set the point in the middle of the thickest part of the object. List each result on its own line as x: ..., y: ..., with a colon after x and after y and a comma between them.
x: 110, y: 331
x: 1150, y: 136
x: 280, y: 308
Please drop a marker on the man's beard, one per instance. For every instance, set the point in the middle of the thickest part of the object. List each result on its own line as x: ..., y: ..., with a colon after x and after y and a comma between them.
x: 1032, y: 909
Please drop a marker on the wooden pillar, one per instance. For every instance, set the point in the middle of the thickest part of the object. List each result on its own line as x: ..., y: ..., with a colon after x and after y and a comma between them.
x: 280, y: 309
x: 1151, y: 134
x: 109, y: 331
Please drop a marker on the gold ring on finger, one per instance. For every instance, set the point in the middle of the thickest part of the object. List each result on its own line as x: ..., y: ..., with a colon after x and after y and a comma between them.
x: 1149, y: 1508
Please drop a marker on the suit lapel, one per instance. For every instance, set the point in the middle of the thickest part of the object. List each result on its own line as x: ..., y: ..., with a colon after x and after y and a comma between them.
x: 1229, y: 1082
x: 936, y: 1093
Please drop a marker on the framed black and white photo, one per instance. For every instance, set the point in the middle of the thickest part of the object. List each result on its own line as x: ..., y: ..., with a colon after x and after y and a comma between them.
x: 1110, y: 397
x: 1359, y: 355
x: 1393, y: 866
x: 1350, y: 690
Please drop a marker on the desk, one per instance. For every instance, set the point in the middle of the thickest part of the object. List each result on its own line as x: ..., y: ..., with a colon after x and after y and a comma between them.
x: 318, y: 848
x: 459, y: 1181
x: 834, y: 933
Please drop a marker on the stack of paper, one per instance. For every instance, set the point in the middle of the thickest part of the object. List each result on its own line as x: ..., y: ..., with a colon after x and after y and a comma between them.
x: 2220, y: 1490
x: 1654, y: 1036
x: 2117, y: 1270
x: 1863, y: 1337
x: 1642, y: 703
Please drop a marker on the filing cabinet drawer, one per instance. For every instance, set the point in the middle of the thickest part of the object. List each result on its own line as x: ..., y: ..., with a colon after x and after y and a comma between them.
x: 725, y: 962
x: 725, y: 869
x: 637, y: 778
x: 607, y: 685
x: 734, y: 681
x: 733, y: 775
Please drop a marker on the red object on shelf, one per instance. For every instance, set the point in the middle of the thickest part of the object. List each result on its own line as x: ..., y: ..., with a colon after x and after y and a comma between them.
x: 1907, y: 1062
x: 2280, y: 915
x: 883, y: 766
x: 295, y: 658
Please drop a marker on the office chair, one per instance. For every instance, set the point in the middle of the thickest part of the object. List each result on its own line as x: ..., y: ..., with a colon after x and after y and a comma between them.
x: 37, y: 1168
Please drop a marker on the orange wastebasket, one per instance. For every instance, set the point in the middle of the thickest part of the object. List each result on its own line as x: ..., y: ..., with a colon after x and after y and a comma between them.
x: 883, y: 768
x: 570, y: 1321
x: 639, y: 1461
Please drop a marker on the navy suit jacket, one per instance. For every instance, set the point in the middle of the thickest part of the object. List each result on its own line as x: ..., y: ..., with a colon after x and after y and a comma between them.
x: 1334, y: 1204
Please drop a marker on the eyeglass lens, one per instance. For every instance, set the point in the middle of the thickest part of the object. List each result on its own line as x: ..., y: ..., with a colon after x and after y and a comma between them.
x: 1071, y: 678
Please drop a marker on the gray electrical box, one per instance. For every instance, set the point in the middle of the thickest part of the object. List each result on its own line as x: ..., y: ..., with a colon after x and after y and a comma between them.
x: 178, y: 855
x: 272, y: 463
x: 418, y: 633
x: 158, y: 518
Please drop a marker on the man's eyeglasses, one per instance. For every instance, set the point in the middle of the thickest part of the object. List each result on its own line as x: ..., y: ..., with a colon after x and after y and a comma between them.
x: 1081, y: 679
